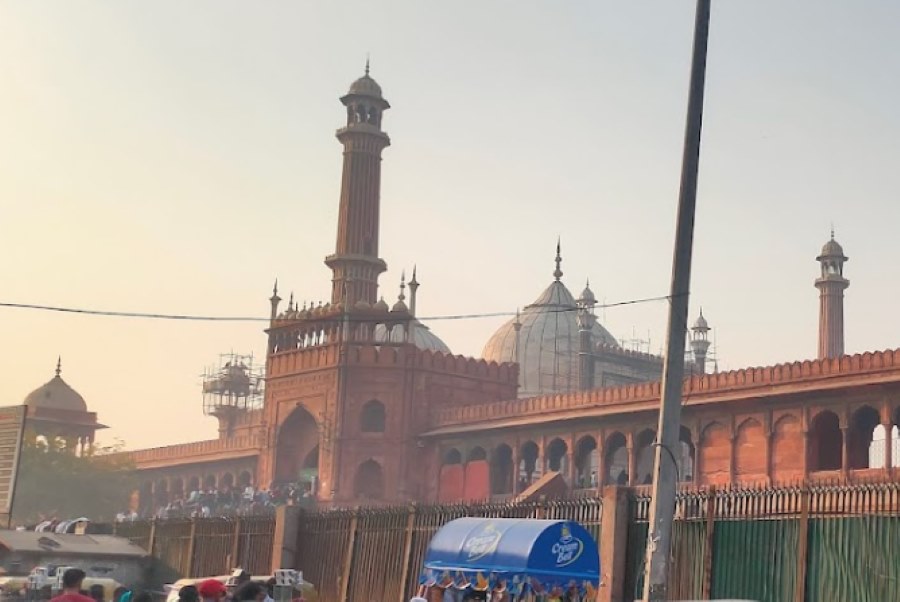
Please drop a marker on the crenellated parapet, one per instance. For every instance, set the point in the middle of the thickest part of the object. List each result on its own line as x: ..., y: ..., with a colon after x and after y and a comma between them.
x: 196, y: 452
x: 868, y: 366
x: 506, y: 372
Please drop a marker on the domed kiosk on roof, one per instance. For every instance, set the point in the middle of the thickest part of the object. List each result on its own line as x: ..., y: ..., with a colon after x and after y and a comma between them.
x: 420, y: 335
x: 545, y: 340
x: 57, y: 411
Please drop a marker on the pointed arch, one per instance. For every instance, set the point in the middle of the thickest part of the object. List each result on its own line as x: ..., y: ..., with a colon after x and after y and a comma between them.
x: 372, y: 417
x: 587, y: 462
x: 368, y: 483
x: 826, y: 442
x: 788, y: 452
x: 298, y: 437
x: 452, y: 456
x: 750, y: 451
x: 860, y: 437
x: 528, y: 469
x: 615, y: 460
x: 557, y: 456
x: 646, y: 456
x: 686, y: 456
x: 715, y: 454
x: 502, y: 470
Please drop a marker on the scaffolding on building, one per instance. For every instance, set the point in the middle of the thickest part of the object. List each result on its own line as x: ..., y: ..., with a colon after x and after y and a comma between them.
x: 235, y: 385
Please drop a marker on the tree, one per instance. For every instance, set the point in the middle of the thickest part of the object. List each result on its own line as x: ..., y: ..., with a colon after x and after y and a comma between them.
x: 55, y: 483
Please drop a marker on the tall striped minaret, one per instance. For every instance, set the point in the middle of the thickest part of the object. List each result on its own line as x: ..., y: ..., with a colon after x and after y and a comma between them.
x: 355, y: 264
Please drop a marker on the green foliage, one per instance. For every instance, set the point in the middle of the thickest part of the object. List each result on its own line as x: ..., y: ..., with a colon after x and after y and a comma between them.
x: 54, y: 483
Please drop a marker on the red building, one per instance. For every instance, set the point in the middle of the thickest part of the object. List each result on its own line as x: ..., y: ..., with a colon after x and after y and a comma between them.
x: 365, y: 404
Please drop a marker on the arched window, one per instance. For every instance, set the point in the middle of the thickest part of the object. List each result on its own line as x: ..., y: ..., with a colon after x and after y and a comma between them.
x: 686, y: 457
x: 245, y: 478
x: 476, y: 454
x: 587, y: 463
x: 228, y: 480
x: 615, y: 460
x: 826, y: 442
x: 646, y: 456
x: 556, y: 456
x: 372, y: 417
x: 369, y: 481
x: 528, y: 470
x: 452, y: 456
x: 501, y: 470
x: 861, y: 438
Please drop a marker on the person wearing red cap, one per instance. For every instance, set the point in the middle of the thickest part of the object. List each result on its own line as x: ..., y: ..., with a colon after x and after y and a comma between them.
x: 212, y: 590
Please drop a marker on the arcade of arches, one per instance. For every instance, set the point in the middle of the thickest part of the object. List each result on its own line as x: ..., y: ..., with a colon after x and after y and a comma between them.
x: 838, y: 441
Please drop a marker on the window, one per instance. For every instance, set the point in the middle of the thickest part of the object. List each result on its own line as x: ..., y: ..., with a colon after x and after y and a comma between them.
x: 372, y: 417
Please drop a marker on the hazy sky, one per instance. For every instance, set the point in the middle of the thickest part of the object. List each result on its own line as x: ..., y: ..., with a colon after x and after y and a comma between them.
x: 176, y: 156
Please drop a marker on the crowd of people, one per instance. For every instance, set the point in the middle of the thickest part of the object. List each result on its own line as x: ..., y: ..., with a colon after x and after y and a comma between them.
x: 226, y: 501
x: 241, y: 589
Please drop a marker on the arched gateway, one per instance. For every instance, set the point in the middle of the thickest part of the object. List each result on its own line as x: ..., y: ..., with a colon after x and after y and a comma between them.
x: 297, y: 458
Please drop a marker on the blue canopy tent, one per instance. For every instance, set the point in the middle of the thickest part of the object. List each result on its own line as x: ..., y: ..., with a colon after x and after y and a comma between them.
x: 519, y: 555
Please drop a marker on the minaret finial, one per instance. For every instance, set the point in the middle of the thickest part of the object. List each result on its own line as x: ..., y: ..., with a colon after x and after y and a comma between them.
x: 413, y: 288
x: 58, y: 365
x: 367, y: 64
x: 275, y: 288
x: 557, y: 273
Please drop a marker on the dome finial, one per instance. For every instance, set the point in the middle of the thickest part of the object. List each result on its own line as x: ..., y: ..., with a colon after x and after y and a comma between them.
x: 832, y: 230
x: 367, y: 64
x: 58, y: 365
x: 402, y: 295
x: 557, y: 273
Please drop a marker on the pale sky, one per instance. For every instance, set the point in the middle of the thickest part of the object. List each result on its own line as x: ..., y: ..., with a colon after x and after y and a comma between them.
x: 176, y: 156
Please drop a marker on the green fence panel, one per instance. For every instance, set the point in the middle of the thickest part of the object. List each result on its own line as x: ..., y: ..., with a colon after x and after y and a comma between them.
x: 755, y: 560
x: 688, y: 560
x: 634, y: 560
x: 854, y: 559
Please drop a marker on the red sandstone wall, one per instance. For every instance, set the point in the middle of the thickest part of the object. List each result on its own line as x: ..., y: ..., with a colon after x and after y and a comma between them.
x: 750, y: 452
x: 451, y: 483
x: 715, y: 455
x: 477, y: 483
x: 787, y: 450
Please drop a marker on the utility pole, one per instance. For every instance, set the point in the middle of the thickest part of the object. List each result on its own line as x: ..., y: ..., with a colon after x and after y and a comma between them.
x: 665, y: 473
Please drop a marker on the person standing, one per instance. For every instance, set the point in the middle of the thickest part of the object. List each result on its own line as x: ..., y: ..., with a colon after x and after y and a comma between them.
x: 71, y: 592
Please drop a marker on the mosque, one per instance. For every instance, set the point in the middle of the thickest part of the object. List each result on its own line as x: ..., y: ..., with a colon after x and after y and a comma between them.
x: 364, y: 404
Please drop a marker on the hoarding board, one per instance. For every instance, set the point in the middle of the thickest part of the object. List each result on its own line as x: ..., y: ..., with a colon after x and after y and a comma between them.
x: 12, y: 430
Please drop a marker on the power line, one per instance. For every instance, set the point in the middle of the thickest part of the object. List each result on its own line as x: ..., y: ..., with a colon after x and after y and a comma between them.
x: 203, y: 318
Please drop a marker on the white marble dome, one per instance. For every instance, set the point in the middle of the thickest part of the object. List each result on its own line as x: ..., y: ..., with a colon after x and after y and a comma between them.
x: 548, y: 342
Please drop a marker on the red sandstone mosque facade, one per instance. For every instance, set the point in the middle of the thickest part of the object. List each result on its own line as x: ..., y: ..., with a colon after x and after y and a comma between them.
x: 367, y: 405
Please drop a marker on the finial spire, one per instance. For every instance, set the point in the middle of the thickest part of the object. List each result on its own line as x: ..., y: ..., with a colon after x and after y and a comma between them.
x: 275, y: 288
x: 557, y: 273
x: 413, y: 288
x: 832, y: 230
x: 58, y: 365
x: 402, y: 295
x: 367, y: 64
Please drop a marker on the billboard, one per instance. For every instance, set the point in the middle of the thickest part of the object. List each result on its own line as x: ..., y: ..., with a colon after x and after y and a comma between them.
x: 12, y: 430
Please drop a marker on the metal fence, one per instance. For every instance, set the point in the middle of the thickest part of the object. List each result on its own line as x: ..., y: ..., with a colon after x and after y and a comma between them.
x: 377, y: 554
x: 778, y: 544
x: 204, y: 547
